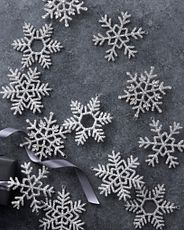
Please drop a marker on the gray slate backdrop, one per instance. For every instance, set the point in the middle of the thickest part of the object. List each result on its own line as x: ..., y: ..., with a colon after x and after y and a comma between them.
x: 80, y: 72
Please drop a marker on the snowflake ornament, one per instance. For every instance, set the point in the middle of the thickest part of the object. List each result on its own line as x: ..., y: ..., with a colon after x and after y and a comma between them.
x: 37, y: 45
x: 119, y: 176
x: 25, y: 91
x: 150, y: 207
x: 118, y: 36
x: 144, y: 93
x: 87, y: 121
x: 31, y: 187
x: 163, y: 144
x: 45, y: 137
x: 62, y: 213
x: 63, y: 10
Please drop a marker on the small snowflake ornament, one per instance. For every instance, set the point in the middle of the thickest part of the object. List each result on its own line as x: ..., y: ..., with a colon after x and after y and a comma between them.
x: 25, y: 91
x: 163, y: 144
x: 62, y: 213
x: 118, y: 36
x: 37, y: 45
x: 150, y: 207
x: 87, y: 121
x: 31, y: 187
x: 119, y: 176
x: 45, y: 137
x: 144, y: 92
x: 63, y: 10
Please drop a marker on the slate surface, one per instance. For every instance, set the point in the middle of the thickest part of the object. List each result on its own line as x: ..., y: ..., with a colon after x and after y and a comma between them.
x: 80, y: 72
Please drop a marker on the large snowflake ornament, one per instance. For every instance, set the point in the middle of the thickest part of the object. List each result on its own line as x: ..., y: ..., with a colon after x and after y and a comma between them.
x: 25, y: 91
x: 37, y: 45
x: 119, y: 176
x: 163, y: 144
x: 87, y: 121
x: 144, y: 92
x: 150, y: 207
x: 62, y: 213
x: 31, y: 187
x: 63, y: 10
x: 45, y: 137
x: 118, y: 36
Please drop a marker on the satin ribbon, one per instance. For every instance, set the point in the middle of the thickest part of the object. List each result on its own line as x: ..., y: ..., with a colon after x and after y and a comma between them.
x: 56, y: 164
x: 4, y: 185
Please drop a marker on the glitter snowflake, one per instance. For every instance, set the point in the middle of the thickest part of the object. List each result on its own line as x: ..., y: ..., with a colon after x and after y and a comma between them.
x: 63, y: 9
x: 62, y: 213
x: 25, y: 91
x: 87, y: 121
x: 31, y: 187
x: 150, y: 207
x: 45, y: 138
x: 163, y: 144
x: 144, y: 93
x: 37, y: 45
x: 118, y: 36
x: 119, y: 176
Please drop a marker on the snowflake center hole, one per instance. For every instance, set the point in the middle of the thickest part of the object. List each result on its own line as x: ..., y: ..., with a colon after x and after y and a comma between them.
x: 87, y: 121
x: 37, y: 45
x: 149, y: 206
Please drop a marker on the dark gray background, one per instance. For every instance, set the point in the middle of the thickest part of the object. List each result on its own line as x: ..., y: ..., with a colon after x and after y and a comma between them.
x: 80, y: 72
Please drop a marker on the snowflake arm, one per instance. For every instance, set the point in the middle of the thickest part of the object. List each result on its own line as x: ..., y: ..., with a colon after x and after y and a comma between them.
x: 62, y: 213
x: 144, y: 93
x: 118, y: 176
x: 63, y: 10
x: 25, y: 91
x: 118, y: 36
x: 31, y: 187
x: 163, y: 144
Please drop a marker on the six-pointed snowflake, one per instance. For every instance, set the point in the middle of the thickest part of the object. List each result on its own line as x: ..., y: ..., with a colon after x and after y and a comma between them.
x: 144, y: 93
x: 119, y: 176
x: 163, y: 144
x: 37, y: 45
x: 118, y: 36
x: 31, y: 187
x: 150, y: 207
x: 87, y: 121
x: 25, y: 91
x: 62, y: 213
x: 45, y: 137
x: 63, y: 9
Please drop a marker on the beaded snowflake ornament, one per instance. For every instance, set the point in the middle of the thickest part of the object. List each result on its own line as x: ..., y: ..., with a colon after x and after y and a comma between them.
x: 144, y: 92
x: 63, y: 10
x: 163, y: 144
x: 119, y: 176
x: 45, y: 137
x: 31, y: 187
x: 25, y: 91
x: 37, y: 45
x: 150, y: 207
x: 118, y: 36
x: 87, y: 121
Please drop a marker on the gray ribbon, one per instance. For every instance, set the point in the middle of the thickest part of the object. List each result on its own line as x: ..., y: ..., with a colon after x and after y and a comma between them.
x: 55, y: 164
x: 4, y: 185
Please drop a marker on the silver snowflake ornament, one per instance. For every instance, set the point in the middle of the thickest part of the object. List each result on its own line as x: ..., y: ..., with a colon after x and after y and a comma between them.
x: 118, y: 36
x: 87, y: 121
x: 163, y: 144
x: 62, y: 213
x: 144, y: 92
x: 119, y: 176
x: 63, y: 10
x: 25, y: 91
x: 31, y: 187
x: 45, y: 137
x: 37, y: 45
x: 150, y: 207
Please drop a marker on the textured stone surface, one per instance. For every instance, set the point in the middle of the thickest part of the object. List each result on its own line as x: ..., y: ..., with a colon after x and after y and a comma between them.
x: 80, y: 72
